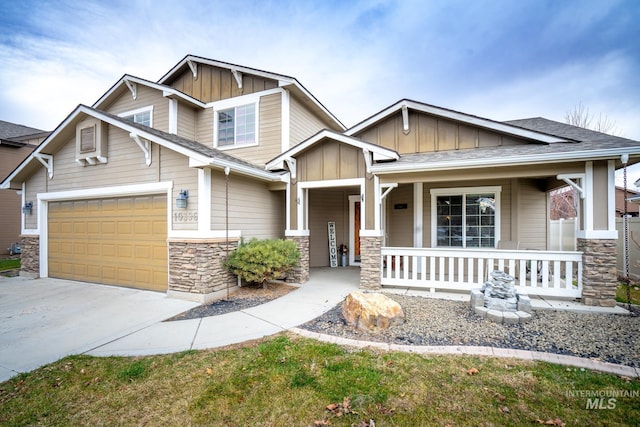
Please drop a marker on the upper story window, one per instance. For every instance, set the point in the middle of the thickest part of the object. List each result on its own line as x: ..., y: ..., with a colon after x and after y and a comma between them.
x: 237, y: 126
x: 142, y: 116
x: 466, y: 217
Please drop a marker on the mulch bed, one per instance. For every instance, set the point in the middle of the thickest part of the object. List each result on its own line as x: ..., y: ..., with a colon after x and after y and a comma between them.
x: 245, y: 297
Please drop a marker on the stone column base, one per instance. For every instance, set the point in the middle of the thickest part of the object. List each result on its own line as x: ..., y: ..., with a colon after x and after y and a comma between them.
x: 370, y: 262
x: 30, y: 256
x: 599, y: 280
x: 196, y: 270
x: 300, y: 274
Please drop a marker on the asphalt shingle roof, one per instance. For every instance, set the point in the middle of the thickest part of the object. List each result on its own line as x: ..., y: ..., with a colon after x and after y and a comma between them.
x: 10, y: 130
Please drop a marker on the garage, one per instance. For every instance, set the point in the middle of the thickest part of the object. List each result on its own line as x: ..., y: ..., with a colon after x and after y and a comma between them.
x: 116, y: 241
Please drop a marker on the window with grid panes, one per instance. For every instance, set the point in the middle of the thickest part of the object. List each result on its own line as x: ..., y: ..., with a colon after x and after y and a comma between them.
x: 466, y: 220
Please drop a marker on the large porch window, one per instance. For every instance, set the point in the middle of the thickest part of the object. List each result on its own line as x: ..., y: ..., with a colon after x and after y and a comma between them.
x: 465, y: 217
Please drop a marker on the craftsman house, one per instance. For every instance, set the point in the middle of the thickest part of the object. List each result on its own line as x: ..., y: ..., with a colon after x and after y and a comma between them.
x: 152, y: 184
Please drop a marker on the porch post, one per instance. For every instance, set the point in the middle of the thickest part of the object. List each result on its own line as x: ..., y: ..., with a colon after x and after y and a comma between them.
x: 370, y: 261
x: 597, y: 238
x: 300, y: 274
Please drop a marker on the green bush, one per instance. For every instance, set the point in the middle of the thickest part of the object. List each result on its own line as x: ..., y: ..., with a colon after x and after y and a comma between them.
x: 260, y: 261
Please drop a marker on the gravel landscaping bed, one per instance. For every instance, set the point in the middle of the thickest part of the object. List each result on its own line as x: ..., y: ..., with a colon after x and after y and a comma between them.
x: 245, y: 297
x: 428, y: 321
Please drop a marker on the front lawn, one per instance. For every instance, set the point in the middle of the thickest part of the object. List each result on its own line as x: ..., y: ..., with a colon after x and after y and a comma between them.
x: 286, y: 380
x: 621, y: 293
x: 9, y: 264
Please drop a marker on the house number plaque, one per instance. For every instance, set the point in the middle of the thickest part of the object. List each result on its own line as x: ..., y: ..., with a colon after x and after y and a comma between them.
x: 185, y: 216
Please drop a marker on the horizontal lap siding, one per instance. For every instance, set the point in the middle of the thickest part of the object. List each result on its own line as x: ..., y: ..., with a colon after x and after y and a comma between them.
x: 400, y: 221
x: 126, y: 165
x: 204, y: 127
x: 175, y: 167
x: 505, y: 205
x: 326, y: 205
x: 186, y: 122
x: 146, y: 97
x: 532, y: 222
x: 253, y: 209
x: 303, y: 122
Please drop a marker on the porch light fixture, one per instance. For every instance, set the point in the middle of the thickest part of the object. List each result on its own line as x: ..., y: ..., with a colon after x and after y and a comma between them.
x: 181, y: 200
x: 27, y: 208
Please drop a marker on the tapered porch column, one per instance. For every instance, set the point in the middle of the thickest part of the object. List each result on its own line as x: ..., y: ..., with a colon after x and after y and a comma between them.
x: 597, y: 237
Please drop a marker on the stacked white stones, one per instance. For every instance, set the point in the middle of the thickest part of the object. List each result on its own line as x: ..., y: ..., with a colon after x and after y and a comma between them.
x: 499, y: 301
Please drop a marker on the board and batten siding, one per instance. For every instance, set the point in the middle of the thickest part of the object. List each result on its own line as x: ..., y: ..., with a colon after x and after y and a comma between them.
x: 253, y: 209
x: 214, y: 84
x: 303, y: 123
x: 269, y: 133
x: 327, y: 205
x: 330, y: 160
x: 146, y: 97
x: 429, y: 134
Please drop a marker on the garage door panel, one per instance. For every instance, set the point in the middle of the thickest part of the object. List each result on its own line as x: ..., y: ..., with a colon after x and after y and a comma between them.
x: 119, y: 241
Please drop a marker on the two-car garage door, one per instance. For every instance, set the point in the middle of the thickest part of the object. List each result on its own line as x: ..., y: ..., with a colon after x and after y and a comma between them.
x: 117, y: 241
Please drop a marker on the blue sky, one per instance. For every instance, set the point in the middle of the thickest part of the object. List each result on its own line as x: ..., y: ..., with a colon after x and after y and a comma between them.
x: 497, y: 59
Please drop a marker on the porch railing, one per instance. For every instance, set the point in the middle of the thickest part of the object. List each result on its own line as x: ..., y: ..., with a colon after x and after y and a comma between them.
x: 547, y: 273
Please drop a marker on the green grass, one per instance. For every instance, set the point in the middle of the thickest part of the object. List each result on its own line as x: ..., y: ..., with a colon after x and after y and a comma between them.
x: 286, y: 380
x: 621, y: 293
x: 8, y: 264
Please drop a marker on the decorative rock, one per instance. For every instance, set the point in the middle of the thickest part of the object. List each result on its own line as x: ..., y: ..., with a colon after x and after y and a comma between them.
x: 371, y: 311
x: 524, y: 303
x: 524, y: 317
x: 477, y: 298
x: 510, y: 318
x: 495, y: 316
x: 481, y: 310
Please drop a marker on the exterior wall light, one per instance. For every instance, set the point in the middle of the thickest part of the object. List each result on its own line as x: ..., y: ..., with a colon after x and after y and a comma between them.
x: 181, y: 200
x: 27, y: 208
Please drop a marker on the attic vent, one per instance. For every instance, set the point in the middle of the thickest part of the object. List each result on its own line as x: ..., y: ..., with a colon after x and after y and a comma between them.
x: 88, y: 139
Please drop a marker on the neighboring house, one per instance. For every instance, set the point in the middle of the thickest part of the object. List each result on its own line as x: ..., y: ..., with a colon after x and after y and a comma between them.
x: 563, y: 203
x: 16, y: 143
x: 423, y: 196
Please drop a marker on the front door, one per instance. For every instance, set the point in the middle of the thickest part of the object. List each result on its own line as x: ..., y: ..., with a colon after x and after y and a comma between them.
x: 354, y: 230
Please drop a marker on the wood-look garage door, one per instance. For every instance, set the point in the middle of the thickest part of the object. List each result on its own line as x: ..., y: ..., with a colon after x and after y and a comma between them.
x: 117, y: 241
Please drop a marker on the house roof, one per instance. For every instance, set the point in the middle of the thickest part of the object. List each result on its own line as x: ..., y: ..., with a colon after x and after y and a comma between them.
x: 167, y: 91
x: 537, y: 136
x: 283, y: 81
x: 200, y: 154
x: 379, y: 153
x: 513, y: 155
x: 14, y: 134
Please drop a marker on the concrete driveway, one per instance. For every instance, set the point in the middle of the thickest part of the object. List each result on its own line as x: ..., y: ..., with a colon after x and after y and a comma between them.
x: 43, y: 320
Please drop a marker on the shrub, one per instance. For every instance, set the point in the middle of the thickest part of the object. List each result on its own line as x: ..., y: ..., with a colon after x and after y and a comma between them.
x: 260, y: 261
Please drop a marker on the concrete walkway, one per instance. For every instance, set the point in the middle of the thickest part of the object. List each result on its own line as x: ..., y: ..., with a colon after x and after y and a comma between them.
x: 46, y: 319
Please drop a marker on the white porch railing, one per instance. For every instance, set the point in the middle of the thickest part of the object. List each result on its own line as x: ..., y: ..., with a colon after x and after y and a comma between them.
x: 548, y: 273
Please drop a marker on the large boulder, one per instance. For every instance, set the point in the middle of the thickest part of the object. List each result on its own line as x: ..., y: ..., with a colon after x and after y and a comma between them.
x: 371, y: 312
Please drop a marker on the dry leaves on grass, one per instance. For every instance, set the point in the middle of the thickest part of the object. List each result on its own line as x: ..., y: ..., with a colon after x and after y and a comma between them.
x: 340, y: 409
x: 554, y: 422
x: 473, y: 371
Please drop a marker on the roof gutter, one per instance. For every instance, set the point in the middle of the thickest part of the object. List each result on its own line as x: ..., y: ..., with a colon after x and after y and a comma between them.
x: 509, y: 161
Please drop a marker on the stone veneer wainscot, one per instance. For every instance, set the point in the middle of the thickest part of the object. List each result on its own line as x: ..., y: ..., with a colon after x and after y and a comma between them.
x: 370, y: 261
x: 599, y: 278
x: 300, y: 273
x: 196, y: 270
x: 30, y: 256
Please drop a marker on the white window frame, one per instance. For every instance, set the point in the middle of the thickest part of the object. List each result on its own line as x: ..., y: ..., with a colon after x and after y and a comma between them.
x: 462, y: 191
x: 148, y: 109
x: 227, y: 104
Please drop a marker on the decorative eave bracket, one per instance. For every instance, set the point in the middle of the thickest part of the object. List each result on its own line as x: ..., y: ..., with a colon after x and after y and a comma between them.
x: 47, y: 162
x: 144, y: 145
x: 405, y: 119
x: 388, y: 188
x: 238, y: 76
x: 569, y: 179
x: 367, y: 159
x: 133, y: 88
x: 292, y: 165
x: 194, y: 68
